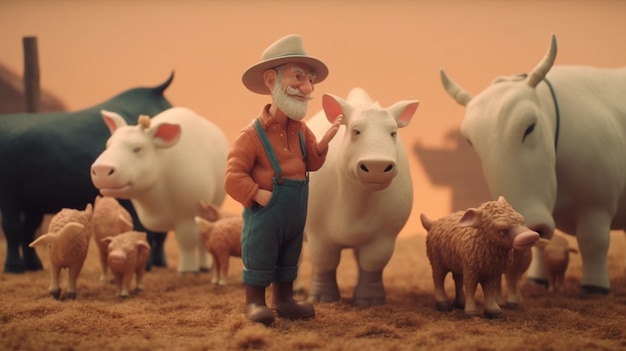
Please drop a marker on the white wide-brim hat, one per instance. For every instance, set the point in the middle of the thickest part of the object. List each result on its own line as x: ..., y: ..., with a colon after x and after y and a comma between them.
x: 288, y: 49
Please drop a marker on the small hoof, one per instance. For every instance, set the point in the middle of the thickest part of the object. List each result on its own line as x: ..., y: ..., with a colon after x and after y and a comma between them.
x: 14, y: 268
x: 362, y: 302
x: 540, y: 282
x: 512, y: 306
x: 322, y: 299
x: 55, y: 294
x: 591, y: 290
x: 493, y: 314
x: 471, y: 314
x: 444, y: 306
x: 71, y: 296
x: 205, y: 270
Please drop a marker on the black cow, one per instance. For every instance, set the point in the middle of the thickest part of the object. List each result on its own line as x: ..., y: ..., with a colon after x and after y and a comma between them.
x: 44, y: 166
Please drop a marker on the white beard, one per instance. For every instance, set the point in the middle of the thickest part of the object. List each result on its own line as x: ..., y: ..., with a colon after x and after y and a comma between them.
x: 292, y: 107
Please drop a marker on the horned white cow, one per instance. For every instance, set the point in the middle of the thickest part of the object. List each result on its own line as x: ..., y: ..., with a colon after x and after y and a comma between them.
x: 166, y: 166
x: 554, y: 144
x: 362, y: 196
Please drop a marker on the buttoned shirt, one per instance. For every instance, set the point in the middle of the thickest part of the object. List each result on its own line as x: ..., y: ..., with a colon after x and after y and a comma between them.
x: 248, y: 167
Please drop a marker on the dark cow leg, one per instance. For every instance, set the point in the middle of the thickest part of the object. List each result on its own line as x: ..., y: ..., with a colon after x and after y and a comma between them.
x: 157, y: 252
x: 19, y: 232
x: 31, y: 223
x: 591, y: 290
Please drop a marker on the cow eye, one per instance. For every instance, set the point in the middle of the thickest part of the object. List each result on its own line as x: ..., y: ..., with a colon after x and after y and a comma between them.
x: 528, y: 131
x: 394, y: 134
x: 356, y: 132
x: 137, y: 150
x: 503, y: 232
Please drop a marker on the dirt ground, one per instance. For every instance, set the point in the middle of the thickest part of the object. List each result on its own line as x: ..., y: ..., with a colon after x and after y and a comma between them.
x: 189, y: 313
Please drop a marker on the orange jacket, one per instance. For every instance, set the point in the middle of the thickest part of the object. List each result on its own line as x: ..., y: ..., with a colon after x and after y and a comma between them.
x: 248, y: 167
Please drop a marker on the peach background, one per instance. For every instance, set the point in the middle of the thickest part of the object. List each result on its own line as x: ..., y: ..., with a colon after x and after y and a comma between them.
x: 91, y: 50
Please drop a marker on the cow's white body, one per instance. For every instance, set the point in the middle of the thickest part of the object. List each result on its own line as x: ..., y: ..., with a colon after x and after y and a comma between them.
x: 166, y: 182
x: 344, y: 213
x: 569, y: 174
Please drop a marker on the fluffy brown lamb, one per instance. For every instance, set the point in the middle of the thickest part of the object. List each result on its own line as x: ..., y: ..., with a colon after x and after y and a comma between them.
x: 221, y: 235
x: 109, y: 219
x: 476, y: 245
x: 556, y: 257
x: 127, y: 256
x: 68, y: 237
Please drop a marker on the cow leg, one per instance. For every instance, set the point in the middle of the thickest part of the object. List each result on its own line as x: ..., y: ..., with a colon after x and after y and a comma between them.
x: 32, y: 222
x: 593, y: 236
x: 372, y: 259
x: 19, y: 230
x: 324, y: 259
x: 188, y: 239
x: 157, y: 249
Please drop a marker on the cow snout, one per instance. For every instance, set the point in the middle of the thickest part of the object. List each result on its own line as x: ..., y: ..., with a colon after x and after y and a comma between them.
x: 101, y: 171
x: 107, y: 179
x: 376, y: 174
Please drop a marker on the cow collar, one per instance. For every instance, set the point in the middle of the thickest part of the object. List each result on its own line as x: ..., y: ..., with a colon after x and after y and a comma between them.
x: 558, y: 115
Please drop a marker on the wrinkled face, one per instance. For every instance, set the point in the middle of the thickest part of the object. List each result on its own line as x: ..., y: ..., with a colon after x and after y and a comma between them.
x: 128, y: 166
x: 293, y: 91
x: 370, y: 147
x: 514, y: 142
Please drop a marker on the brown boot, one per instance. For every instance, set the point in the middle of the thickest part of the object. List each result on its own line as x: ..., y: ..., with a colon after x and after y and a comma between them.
x: 286, y: 306
x: 256, y: 309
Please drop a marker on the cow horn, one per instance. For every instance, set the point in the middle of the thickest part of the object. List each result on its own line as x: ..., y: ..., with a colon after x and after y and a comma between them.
x: 539, y: 73
x: 457, y: 93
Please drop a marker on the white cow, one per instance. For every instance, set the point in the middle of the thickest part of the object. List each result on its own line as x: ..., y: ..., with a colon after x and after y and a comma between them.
x: 166, y: 166
x: 554, y: 144
x: 362, y: 196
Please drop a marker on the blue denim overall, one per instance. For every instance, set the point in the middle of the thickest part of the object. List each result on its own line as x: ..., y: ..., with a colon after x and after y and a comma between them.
x: 272, y: 234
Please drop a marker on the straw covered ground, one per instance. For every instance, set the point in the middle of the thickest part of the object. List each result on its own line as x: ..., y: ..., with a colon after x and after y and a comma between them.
x: 188, y: 313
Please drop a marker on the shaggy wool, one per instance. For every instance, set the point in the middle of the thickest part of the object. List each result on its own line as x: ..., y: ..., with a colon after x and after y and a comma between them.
x: 189, y: 313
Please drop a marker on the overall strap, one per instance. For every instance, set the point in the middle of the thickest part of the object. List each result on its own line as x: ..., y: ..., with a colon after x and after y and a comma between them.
x: 268, y: 150
x: 302, y: 145
x: 303, y: 149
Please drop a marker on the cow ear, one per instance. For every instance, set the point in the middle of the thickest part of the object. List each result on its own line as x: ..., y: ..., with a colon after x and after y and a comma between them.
x: 471, y: 218
x: 403, y: 111
x: 113, y: 120
x: 165, y: 134
x: 335, y: 106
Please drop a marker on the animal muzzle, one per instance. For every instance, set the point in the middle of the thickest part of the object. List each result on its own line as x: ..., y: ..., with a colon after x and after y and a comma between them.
x: 106, y: 178
x: 524, y: 238
x: 376, y: 174
x: 117, y: 260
